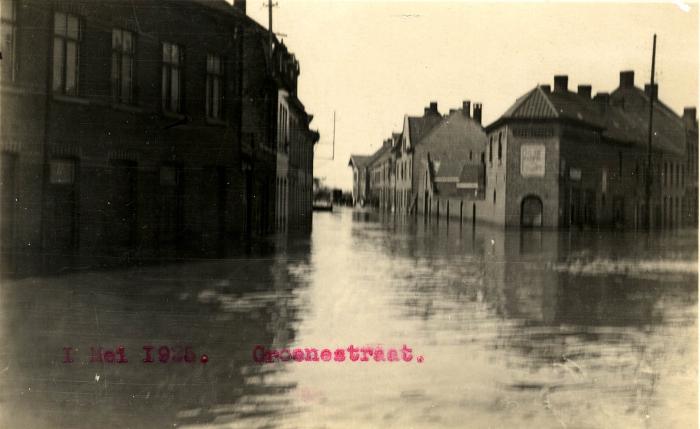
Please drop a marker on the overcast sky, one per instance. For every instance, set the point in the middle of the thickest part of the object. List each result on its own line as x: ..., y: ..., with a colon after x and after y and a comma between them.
x: 372, y: 62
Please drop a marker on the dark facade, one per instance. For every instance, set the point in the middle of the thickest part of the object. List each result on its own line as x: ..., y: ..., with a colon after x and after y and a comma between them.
x: 134, y: 129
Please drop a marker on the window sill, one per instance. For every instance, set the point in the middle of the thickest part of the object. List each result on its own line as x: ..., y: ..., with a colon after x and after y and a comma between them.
x: 216, y: 122
x: 71, y: 99
x: 131, y: 108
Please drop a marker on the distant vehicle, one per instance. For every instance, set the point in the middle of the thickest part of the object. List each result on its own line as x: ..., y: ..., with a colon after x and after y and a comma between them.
x: 323, y: 200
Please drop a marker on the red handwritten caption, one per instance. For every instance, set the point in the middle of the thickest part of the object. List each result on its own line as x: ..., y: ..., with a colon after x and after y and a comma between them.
x: 263, y: 355
x: 151, y: 354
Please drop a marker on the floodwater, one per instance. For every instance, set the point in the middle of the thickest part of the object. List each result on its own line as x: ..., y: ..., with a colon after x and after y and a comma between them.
x: 580, y: 329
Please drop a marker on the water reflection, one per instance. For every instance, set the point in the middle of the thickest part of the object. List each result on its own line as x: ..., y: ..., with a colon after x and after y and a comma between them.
x: 518, y: 329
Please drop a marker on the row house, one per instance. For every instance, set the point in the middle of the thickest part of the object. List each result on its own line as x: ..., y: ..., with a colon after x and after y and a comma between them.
x: 556, y: 158
x: 414, y: 129
x: 449, y: 165
x: 382, y: 175
x: 295, y: 142
x: 133, y: 130
x: 433, y: 159
x: 360, y: 179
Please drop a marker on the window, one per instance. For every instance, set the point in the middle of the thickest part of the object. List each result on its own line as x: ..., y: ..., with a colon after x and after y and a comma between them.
x: 8, y: 25
x: 470, y: 155
x: 500, y: 146
x: 122, y: 66
x: 619, y: 165
x: 172, y: 77
x: 215, y: 86
x: 62, y: 172
x: 494, y: 196
x: 66, y: 53
x: 491, y: 149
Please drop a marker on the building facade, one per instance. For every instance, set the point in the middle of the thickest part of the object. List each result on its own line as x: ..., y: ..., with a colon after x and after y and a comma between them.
x: 556, y: 158
x: 133, y: 129
x: 360, y: 179
x: 295, y: 142
x: 448, y: 165
x: 414, y: 129
x: 569, y: 159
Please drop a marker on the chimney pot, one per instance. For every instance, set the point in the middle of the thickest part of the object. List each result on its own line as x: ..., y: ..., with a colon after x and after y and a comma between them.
x: 434, y: 107
x: 561, y: 83
x: 466, y: 108
x: 477, y: 112
x: 652, y: 93
x: 690, y: 117
x: 585, y: 91
x: 546, y: 88
x: 602, y: 98
x: 627, y: 79
x: 240, y: 5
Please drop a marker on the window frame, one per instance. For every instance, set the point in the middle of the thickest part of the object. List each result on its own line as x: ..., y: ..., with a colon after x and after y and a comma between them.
x: 175, y: 62
x: 120, y: 52
x: 215, y: 75
x: 65, y: 40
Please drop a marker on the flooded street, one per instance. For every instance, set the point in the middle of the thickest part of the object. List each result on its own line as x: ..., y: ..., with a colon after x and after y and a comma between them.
x: 541, y: 329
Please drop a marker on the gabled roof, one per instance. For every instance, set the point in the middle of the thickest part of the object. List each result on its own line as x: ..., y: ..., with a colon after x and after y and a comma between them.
x: 359, y: 161
x: 419, y: 126
x: 447, y: 168
x: 669, y: 128
x: 471, y: 173
x: 385, y: 149
x: 541, y: 104
x: 625, y: 120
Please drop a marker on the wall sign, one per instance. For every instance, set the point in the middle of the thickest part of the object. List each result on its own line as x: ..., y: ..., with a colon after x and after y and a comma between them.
x: 532, y: 160
x: 575, y: 173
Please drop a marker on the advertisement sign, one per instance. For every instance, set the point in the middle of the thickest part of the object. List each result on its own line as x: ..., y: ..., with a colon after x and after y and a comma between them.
x: 532, y: 160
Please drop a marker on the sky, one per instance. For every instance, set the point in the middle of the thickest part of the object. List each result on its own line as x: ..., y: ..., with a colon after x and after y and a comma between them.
x: 372, y: 62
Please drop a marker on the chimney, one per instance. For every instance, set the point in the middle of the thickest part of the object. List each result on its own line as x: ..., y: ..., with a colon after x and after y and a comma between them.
x: 240, y: 5
x: 477, y: 112
x: 546, y: 88
x: 648, y: 91
x: 466, y: 108
x: 627, y: 79
x: 603, y: 100
x: 690, y: 117
x: 585, y: 91
x: 433, y: 107
x: 561, y: 83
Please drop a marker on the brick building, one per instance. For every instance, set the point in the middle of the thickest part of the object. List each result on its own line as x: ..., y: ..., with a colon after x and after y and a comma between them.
x: 295, y: 141
x: 382, y: 174
x: 566, y: 159
x: 133, y: 129
x: 414, y: 129
x: 360, y: 178
x: 448, y: 165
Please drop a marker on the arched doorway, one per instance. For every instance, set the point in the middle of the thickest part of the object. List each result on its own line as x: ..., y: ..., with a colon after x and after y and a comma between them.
x: 531, y: 212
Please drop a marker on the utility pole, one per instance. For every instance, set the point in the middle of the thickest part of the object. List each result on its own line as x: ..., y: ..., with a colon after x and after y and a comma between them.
x: 652, y: 96
x: 269, y: 27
